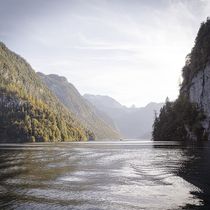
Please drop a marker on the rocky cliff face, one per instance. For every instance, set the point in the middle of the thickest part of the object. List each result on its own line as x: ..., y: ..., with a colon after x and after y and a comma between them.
x: 198, y: 92
x: 188, y: 117
x: 196, y: 74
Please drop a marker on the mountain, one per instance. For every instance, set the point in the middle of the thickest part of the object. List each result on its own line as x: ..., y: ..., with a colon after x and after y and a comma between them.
x: 105, y: 101
x: 29, y: 111
x: 188, y: 118
x: 131, y: 122
x: 71, y: 98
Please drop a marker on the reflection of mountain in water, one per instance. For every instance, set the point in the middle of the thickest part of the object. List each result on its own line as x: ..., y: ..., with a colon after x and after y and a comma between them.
x: 103, y: 175
x: 196, y: 170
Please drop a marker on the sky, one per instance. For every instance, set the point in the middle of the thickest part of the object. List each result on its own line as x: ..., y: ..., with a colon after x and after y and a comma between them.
x: 131, y: 50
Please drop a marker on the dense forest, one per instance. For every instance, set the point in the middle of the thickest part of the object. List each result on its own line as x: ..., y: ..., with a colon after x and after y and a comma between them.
x: 179, y: 120
x: 29, y: 111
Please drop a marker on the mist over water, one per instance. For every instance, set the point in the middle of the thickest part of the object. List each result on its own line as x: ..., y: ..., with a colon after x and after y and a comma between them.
x: 103, y: 175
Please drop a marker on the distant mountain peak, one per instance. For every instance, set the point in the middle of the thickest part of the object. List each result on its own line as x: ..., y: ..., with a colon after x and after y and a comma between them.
x: 53, y: 76
x: 2, y: 44
x: 104, y: 100
x: 132, y: 122
x: 153, y: 104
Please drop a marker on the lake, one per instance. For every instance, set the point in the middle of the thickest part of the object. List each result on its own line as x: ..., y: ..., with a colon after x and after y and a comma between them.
x: 123, y: 175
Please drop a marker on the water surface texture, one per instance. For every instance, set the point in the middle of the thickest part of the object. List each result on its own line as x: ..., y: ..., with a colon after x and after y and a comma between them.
x: 105, y: 175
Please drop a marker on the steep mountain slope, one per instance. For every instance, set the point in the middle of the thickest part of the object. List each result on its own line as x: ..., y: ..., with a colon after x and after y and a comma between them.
x: 131, y: 122
x: 189, y: 116
x: 72, y: 99
x: 29, y: 111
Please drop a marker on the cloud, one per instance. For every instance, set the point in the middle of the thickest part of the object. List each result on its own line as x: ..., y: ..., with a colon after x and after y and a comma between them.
x: 131, y: 50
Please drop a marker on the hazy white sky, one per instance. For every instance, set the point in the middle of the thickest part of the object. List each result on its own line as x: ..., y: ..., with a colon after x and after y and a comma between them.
x: 131, y: 50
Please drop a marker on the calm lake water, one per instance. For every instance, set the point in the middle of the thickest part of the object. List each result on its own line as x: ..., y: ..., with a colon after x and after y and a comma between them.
x: 105, y: 175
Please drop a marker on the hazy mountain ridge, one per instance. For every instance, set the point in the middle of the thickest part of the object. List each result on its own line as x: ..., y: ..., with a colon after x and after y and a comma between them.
x: 29, y: 110
x: 132, y: 122
x: 87, y: 114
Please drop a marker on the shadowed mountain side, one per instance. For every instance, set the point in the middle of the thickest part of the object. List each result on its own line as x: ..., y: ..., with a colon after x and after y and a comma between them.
x: 86, y: 113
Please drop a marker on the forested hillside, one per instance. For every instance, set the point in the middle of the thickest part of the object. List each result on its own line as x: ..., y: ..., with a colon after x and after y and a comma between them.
x: 71, y: 98
x: 29, y: 110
